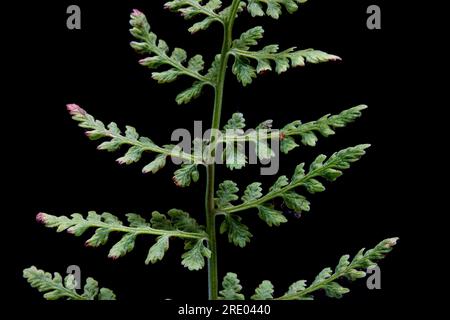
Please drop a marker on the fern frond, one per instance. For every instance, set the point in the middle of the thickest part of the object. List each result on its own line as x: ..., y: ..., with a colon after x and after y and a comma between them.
x: 54, y: 287
x: 176, y: 224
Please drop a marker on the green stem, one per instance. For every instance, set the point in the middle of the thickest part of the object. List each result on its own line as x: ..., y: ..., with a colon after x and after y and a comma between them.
x: 315, y: 287
x: 156, y: 149
x: 148, y: 230
x: 262, y: 55
x: 61, y: 288
x: 272, y: 195
x: 71, y: 294
x: 213, y: 278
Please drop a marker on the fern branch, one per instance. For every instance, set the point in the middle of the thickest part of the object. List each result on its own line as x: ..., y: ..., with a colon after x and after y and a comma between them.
x: 77, y: 225
x: 158, y: 52
x: 326, y: 279
x: 246, y: 72
x: 96, y: 129
x: 233, y: 136
x: 239, y: 234
x: 141, y: 31
x: 281, y: 59
x: 306, y: 131
x: 192, y: 8
x: 329, y: 170
x: 54, y: 287
x: 325, y: 126
x: 178, y: 224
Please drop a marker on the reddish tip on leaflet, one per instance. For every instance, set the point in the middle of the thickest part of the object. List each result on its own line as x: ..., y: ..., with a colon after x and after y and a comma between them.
x: 41, y: 217
x: 113, y: 257
x: 282, y: 136
x: 335, y: 58
x: 70, y: 231
x: 75, y: 109
x: 177, y: 183
x: 136, y: 12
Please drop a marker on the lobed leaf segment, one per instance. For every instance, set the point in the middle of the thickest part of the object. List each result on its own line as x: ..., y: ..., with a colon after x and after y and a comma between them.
x: 55, y: 287
x: 322, y: 167
x: 176, y: 224
x: 326, y: 280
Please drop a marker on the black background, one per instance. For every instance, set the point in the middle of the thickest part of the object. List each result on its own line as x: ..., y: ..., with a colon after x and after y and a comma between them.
x: 63, y: 172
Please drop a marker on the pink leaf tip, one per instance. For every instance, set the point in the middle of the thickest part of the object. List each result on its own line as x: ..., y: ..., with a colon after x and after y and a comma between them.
x: 136, y: 13
x: 75, y: 109
x: 41, y: 217
x: 177, y: 183
x: 335, y: 58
